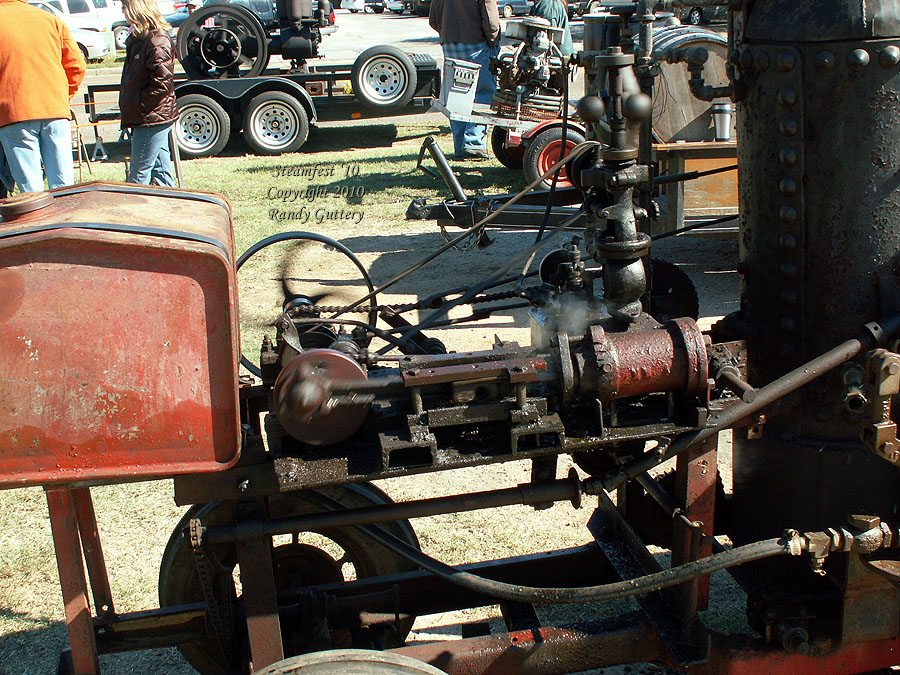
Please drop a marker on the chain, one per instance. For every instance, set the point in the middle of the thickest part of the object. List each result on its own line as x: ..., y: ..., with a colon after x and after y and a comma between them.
x: 365, y: 309
x: 201, y: 563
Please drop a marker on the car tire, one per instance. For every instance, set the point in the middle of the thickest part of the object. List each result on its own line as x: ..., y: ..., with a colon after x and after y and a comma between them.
x: 594, y: 7
x: 695, y: 16
x: 84, y: 52
x: 378, y: 9
x: 507, y: 11
x: 275, y: 122
x: 397, y: 11
x: 542, y: 152
x: 120, y: 35
x: 421, y: 11
x: 511, y: 159
x: 354, y: 11
x: 202, y: 127
x: 384, y: 77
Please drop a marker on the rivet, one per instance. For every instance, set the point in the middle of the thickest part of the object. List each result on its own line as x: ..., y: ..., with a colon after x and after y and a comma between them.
x: 889, y: 57
x: 824, y: 61
x: 788, y: 297
x: 787, y: 156
x: 787, y: 323
x: 788, y: 214
x: 745, y: 59
x: 787, y: 186
x: 787, y: 96
x: 857, y: 59
x: 787, y: 240
x: 788, y: 270
x: 788, y: 126
x: 786, y: 61
x: 762, y: 61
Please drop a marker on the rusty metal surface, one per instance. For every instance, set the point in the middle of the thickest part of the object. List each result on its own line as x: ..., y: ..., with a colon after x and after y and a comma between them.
x: 101, y: 379
x: 67, y: 545
x: 546, y: 651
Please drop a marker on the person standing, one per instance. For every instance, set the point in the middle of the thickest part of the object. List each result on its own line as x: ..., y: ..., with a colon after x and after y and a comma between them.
x: 41, y: 68
x: 557, y: 13
x: 147, y: 94
x: 469, y: 31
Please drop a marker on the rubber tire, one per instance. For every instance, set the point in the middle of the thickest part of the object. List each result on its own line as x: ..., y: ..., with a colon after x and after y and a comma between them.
x: 287, y: 104
x: 594, y: 7
x: 354, y: 11
x: 397, y: 11
x: 120, y: 34
x: 342, y: 661
x: 401, y: 59
x: 507, y: 11
x: 695, y: 16
x: 217, y: 116
x: 378, y: 9
x: 421, y: 11
x: 535, y: 155
x: 511, y: 160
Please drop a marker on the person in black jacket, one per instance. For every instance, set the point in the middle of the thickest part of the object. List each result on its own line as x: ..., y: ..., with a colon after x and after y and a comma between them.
x: 147, y: 95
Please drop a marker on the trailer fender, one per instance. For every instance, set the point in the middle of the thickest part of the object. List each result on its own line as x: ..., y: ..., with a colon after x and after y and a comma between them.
x: 549, y: 124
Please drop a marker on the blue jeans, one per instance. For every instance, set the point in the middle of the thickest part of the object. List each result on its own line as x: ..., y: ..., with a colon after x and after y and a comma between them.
x: 150, y: 158
x: 469, y: 136
x: 27, y: 143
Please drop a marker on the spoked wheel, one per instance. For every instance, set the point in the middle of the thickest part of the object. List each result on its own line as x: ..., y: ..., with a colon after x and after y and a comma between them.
x: 312, y: 271
x: 300, y: 559
x: 275, y: 122
x: 695, y: 17
x: 202, y: 127
x: 222, y: 40
x: 507, y: 11
x: 344, y: 661
x: 384, y: 77
x: 543, y: 152
x: 120, y: 35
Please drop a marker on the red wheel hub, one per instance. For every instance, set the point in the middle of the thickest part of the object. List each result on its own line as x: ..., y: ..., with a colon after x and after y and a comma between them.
x: 550, y: 156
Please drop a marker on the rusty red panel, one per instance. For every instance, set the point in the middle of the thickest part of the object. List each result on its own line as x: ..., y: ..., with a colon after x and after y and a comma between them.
x: 118, y: 337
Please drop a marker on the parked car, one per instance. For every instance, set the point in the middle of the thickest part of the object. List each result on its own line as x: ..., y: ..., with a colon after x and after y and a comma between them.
x: 76, y: 14
x: 510, y: 8
x: 694, y: 15
x: 376, y: 6
x: 96, y: 41
x: 399, y: 6
x: 94, y: 45
x: 421, y: 7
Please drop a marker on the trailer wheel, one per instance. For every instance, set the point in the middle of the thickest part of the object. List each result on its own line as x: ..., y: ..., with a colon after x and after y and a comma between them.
x: 300, y: 559
x: 384, y: 77
x: 511, y: 159
x: 202, y: 127
x: 275, y: 122
x: 542, y: 153
x: 342, y: 661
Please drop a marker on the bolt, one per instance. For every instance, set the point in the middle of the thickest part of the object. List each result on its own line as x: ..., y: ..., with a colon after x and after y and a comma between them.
x: 893, y: 368
x: 861, y: 522
x: 787, y: 186
x: 789, y: 126
x: 889, y: 57
x: 857, y: 60
x: 787, y: 96
x: 824, y: 61
x: 786, y: 61
x: 788, y: 214
x: 787, y: 156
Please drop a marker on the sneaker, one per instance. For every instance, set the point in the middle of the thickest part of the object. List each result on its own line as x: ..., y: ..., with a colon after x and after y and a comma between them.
x: 475, y: 153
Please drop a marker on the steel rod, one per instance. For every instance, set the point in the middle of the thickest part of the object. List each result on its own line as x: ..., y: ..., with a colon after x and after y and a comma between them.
x: 564, y: 489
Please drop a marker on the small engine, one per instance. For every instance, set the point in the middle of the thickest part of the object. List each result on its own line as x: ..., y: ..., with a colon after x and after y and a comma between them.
x: 530, y: 78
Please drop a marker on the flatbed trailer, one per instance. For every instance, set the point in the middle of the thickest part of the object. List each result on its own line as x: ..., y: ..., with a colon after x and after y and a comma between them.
x: 276, y: 109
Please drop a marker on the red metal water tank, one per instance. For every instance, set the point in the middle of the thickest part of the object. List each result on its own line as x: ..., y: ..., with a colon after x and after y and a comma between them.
x: 119, y: 339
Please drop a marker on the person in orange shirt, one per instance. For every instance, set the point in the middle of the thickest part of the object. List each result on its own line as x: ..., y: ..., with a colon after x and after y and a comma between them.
x: 41, y: 68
